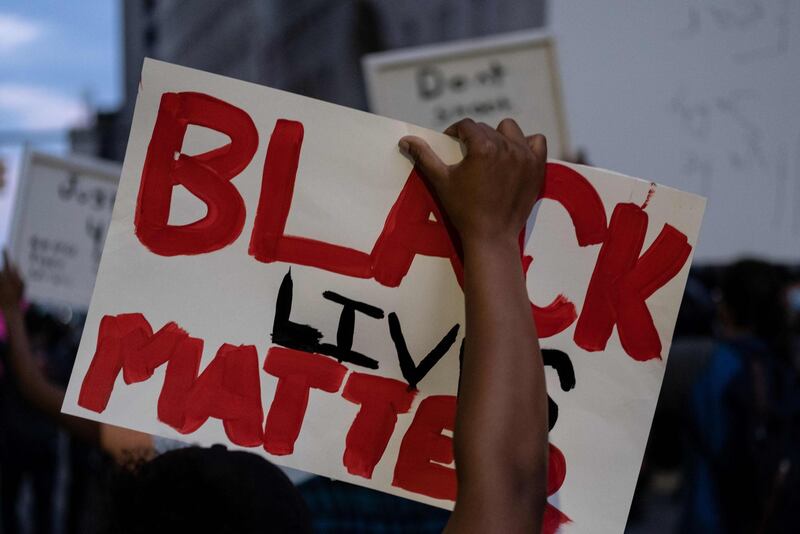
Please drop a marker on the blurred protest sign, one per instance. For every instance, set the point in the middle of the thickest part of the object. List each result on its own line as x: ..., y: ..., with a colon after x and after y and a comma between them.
x: 10, y: 159
x: 2, y: 176
x: 287, y: 249
x: 61, y: 214
x: 513, y: 75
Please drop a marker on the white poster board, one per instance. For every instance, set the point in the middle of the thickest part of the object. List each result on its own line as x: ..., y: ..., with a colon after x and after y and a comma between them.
x: 488, y: 79
x: 700, y: 96
x: 10, y: 160
x: 313, y: 285
x: 61, y: 214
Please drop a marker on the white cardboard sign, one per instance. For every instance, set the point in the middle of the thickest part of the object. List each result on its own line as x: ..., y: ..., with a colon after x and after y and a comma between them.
x: 61, y: 214
x: 10, y: 161
x: 488, y: 79
x: 316, y: 282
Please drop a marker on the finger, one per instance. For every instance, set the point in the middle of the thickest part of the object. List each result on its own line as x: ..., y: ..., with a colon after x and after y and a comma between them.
x: 9, y: 269
x: 468, y: 131
x: 487, y: 130
x: 538, y: 144
x: 510, y: 128
x: 425, y: 158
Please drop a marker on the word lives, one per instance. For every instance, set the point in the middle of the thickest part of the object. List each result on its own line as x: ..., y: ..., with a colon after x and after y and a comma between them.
x: 229, y: 389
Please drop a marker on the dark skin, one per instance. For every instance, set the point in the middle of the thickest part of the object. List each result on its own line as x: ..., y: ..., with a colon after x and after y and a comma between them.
x: 500, y: 438
x: 36, y: 388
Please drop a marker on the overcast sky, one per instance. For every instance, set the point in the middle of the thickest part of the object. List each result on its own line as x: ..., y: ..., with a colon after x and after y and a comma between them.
x: 54, y: 54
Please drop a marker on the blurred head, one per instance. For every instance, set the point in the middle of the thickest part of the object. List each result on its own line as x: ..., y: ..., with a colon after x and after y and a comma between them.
x: 753, y: 300
x: 205, y: 490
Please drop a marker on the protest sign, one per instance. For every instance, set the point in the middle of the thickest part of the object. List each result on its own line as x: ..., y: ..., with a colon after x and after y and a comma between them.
x: 287, y: 249
x: 488, y: 79
x: 10, y: 162
x: 61, y: 214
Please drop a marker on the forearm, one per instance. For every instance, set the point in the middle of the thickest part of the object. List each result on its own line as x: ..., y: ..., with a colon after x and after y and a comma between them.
x: 501, y: 425
x: 34, y: 386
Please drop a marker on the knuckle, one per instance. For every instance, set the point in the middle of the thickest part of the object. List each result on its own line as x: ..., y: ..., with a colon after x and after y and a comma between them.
x: 519, y: 154
x: 485, y: 148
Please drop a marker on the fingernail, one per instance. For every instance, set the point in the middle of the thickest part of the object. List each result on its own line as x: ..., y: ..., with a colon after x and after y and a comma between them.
x: 404, y: 146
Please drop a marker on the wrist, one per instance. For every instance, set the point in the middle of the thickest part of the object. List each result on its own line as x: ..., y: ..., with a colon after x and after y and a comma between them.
x: 494, y: 245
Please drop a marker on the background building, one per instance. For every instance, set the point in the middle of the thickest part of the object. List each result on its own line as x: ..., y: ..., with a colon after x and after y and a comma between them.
x: 309, y: 47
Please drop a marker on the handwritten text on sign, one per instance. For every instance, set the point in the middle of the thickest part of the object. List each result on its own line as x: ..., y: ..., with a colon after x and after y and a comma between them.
x: 512, y: 75
x: 337, y: 319
x: 61, y: 215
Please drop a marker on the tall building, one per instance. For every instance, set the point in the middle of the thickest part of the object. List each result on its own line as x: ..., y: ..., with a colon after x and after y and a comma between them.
x: 309, y: 47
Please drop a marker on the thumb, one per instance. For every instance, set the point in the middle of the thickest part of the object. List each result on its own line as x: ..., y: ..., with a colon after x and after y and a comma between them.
x: 425, y: 158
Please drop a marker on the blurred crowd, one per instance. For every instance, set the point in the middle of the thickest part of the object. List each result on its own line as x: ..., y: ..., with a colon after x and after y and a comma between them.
x: 724, y: 450
x: 723, y: 454
x: 45, y: 474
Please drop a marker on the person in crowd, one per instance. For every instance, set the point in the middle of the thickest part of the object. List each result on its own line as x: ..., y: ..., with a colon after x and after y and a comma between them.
x: 31, y: 396
x: 744, y: 471
x: 28, y: 442
x: 501, y: 431
x: 42, y: 392
x: 793, y: 299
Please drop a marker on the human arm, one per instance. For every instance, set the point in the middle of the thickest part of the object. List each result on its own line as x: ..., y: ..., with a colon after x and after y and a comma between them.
x: 33, y: 384
x: 500, y: 437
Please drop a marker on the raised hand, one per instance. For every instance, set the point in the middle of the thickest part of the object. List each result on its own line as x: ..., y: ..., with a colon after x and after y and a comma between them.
x: 11, y: 285
x: 490, y: 193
